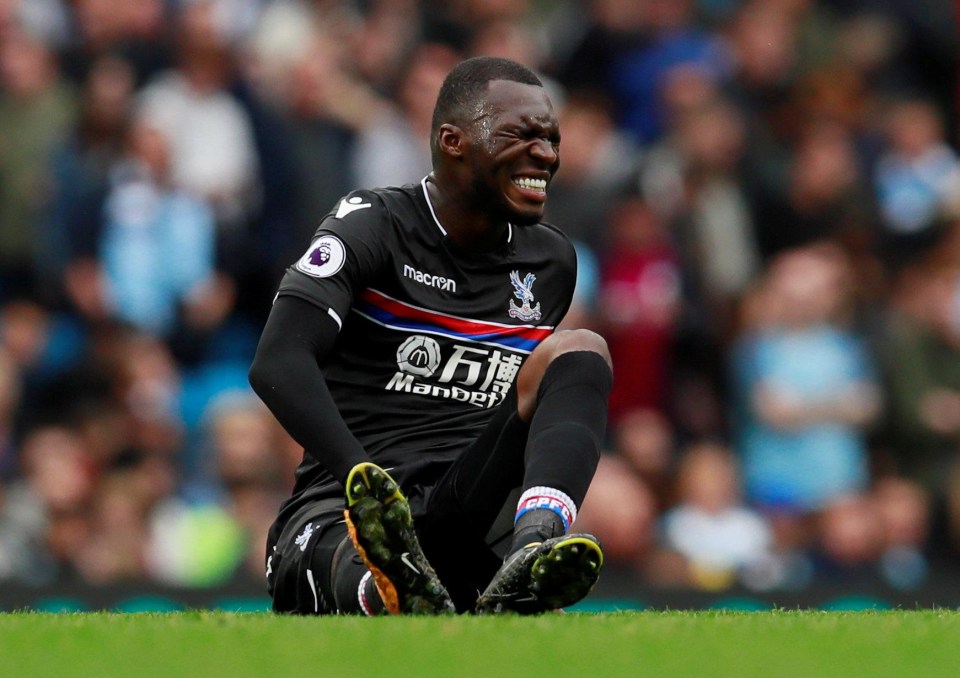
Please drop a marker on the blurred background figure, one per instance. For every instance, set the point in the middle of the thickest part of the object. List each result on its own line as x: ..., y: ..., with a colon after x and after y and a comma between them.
x: 920, y: 349
x: 621, y: 511
x: 214, y: 533
x: 599, y: 163
x: 807, y: 392
x: 693, y: 177
x: 917, y: 176
x: 158, y: 242
x: 393, y: 146
x: 37, y: 112
x: 212, y: 151
x: 639, y: 306
x: 81, y: 168
x: 849, y: 539
x: 904, y: 511
x: 716, y: 536
x: 137, y: 31
x: 47, y: 519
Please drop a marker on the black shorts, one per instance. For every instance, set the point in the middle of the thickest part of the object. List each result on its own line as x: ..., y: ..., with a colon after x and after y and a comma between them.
x: 464, y: 523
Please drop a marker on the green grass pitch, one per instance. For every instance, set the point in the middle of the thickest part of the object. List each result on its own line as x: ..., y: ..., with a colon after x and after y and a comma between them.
x: 716, y: 643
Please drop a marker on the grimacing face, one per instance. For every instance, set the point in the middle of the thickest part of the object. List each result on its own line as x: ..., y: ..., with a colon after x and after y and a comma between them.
x: 514, y: 151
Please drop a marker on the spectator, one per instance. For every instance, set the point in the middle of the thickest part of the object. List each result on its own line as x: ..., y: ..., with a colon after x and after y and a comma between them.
x: 81, y: 169
x: 115, y: 550
x: 639, y: 77
x: 917, y: 176
x: 213, y: 151
x: 301, y: 69
x: 393, y: 147
x: 221, y: 536
x: 645, y: 440
x: 135, y: 31
x: 693, y: 181
x: 158, y: 242
x: 717, y: 536
x: 639, y: 305
x: 599, y: 162
x: 621, y: 511
x: 245, y: 436
x: 904, y: 511
x: 50, y: 507
x: 849, y: 539
x: 37, y: 110
x: 920, y: 351
x: 825, y: 195
x: 146, y: 381
x: 806, y: 391
x: 42, y: 345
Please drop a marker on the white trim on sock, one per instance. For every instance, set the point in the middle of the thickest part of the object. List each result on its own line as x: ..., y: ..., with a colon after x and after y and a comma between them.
x: 362, y: 594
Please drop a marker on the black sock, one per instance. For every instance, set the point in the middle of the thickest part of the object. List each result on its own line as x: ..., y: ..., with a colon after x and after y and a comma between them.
x: 351, y: 583
x: 569, y: 423
x: 536, y: 526
x: 563, y: 446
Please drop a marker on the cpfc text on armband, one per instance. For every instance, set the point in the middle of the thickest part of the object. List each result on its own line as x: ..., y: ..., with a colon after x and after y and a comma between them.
x: 554, y: 504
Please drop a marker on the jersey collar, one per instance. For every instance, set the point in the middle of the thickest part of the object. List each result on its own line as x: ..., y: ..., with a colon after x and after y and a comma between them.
x: 426, y: 196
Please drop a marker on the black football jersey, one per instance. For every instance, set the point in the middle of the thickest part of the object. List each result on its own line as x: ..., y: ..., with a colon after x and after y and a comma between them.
x: 432, y: 337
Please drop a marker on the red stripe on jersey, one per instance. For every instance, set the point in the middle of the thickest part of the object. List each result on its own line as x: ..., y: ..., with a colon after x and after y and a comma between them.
x: 478, y: 330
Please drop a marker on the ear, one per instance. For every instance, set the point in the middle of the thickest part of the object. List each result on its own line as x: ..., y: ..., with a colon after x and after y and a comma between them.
x: 450, y: 140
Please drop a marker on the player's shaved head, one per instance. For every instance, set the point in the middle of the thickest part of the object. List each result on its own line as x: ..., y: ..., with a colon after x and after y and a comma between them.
x: 461, y: 96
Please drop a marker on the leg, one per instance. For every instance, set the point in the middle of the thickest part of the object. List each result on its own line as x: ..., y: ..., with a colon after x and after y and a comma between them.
x: 548, y: 433
x: 381, y: 527
x: 562, y: 391
x: 313, y: 569
x: 564, y: 396
x: 361, y: 560
x: 544, y: 440
x: 457, y: 521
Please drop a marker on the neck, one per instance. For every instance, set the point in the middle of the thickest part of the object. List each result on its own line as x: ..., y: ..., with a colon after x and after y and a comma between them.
x: 467, y: 226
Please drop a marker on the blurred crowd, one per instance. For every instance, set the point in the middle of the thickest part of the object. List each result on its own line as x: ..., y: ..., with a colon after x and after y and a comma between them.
x: 765, y: 199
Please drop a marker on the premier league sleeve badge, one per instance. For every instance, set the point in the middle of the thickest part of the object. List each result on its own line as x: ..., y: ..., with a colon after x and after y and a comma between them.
x: 324, y: 258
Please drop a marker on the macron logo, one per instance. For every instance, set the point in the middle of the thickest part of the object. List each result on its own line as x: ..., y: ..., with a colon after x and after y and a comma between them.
x: 439, y: 282
x: 348, y: 205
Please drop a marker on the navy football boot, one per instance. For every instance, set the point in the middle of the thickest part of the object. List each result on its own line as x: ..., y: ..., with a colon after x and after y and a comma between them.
x: 544, y: 576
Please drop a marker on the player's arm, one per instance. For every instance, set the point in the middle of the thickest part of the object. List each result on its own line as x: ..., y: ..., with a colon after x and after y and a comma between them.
x: 297, y: 338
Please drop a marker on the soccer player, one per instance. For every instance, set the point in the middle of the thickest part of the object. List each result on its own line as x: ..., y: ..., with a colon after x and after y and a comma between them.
x: 449, y: 434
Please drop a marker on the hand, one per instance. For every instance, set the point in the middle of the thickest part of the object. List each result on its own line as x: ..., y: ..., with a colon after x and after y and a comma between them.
x: 939, y: 409
x: 209, y: 302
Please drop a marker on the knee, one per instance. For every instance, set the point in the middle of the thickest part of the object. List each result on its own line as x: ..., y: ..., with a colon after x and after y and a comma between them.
x: 568, y: 341
x: 589, y: 346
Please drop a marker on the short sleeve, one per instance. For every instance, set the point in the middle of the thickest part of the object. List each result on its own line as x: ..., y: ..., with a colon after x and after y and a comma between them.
x: 348, y: 251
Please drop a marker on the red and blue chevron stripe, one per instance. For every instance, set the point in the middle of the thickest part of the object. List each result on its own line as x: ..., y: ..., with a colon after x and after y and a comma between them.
x: 398, y: 315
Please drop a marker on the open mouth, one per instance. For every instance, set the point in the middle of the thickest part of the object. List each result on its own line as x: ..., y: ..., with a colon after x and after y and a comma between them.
x: 534, y: 188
